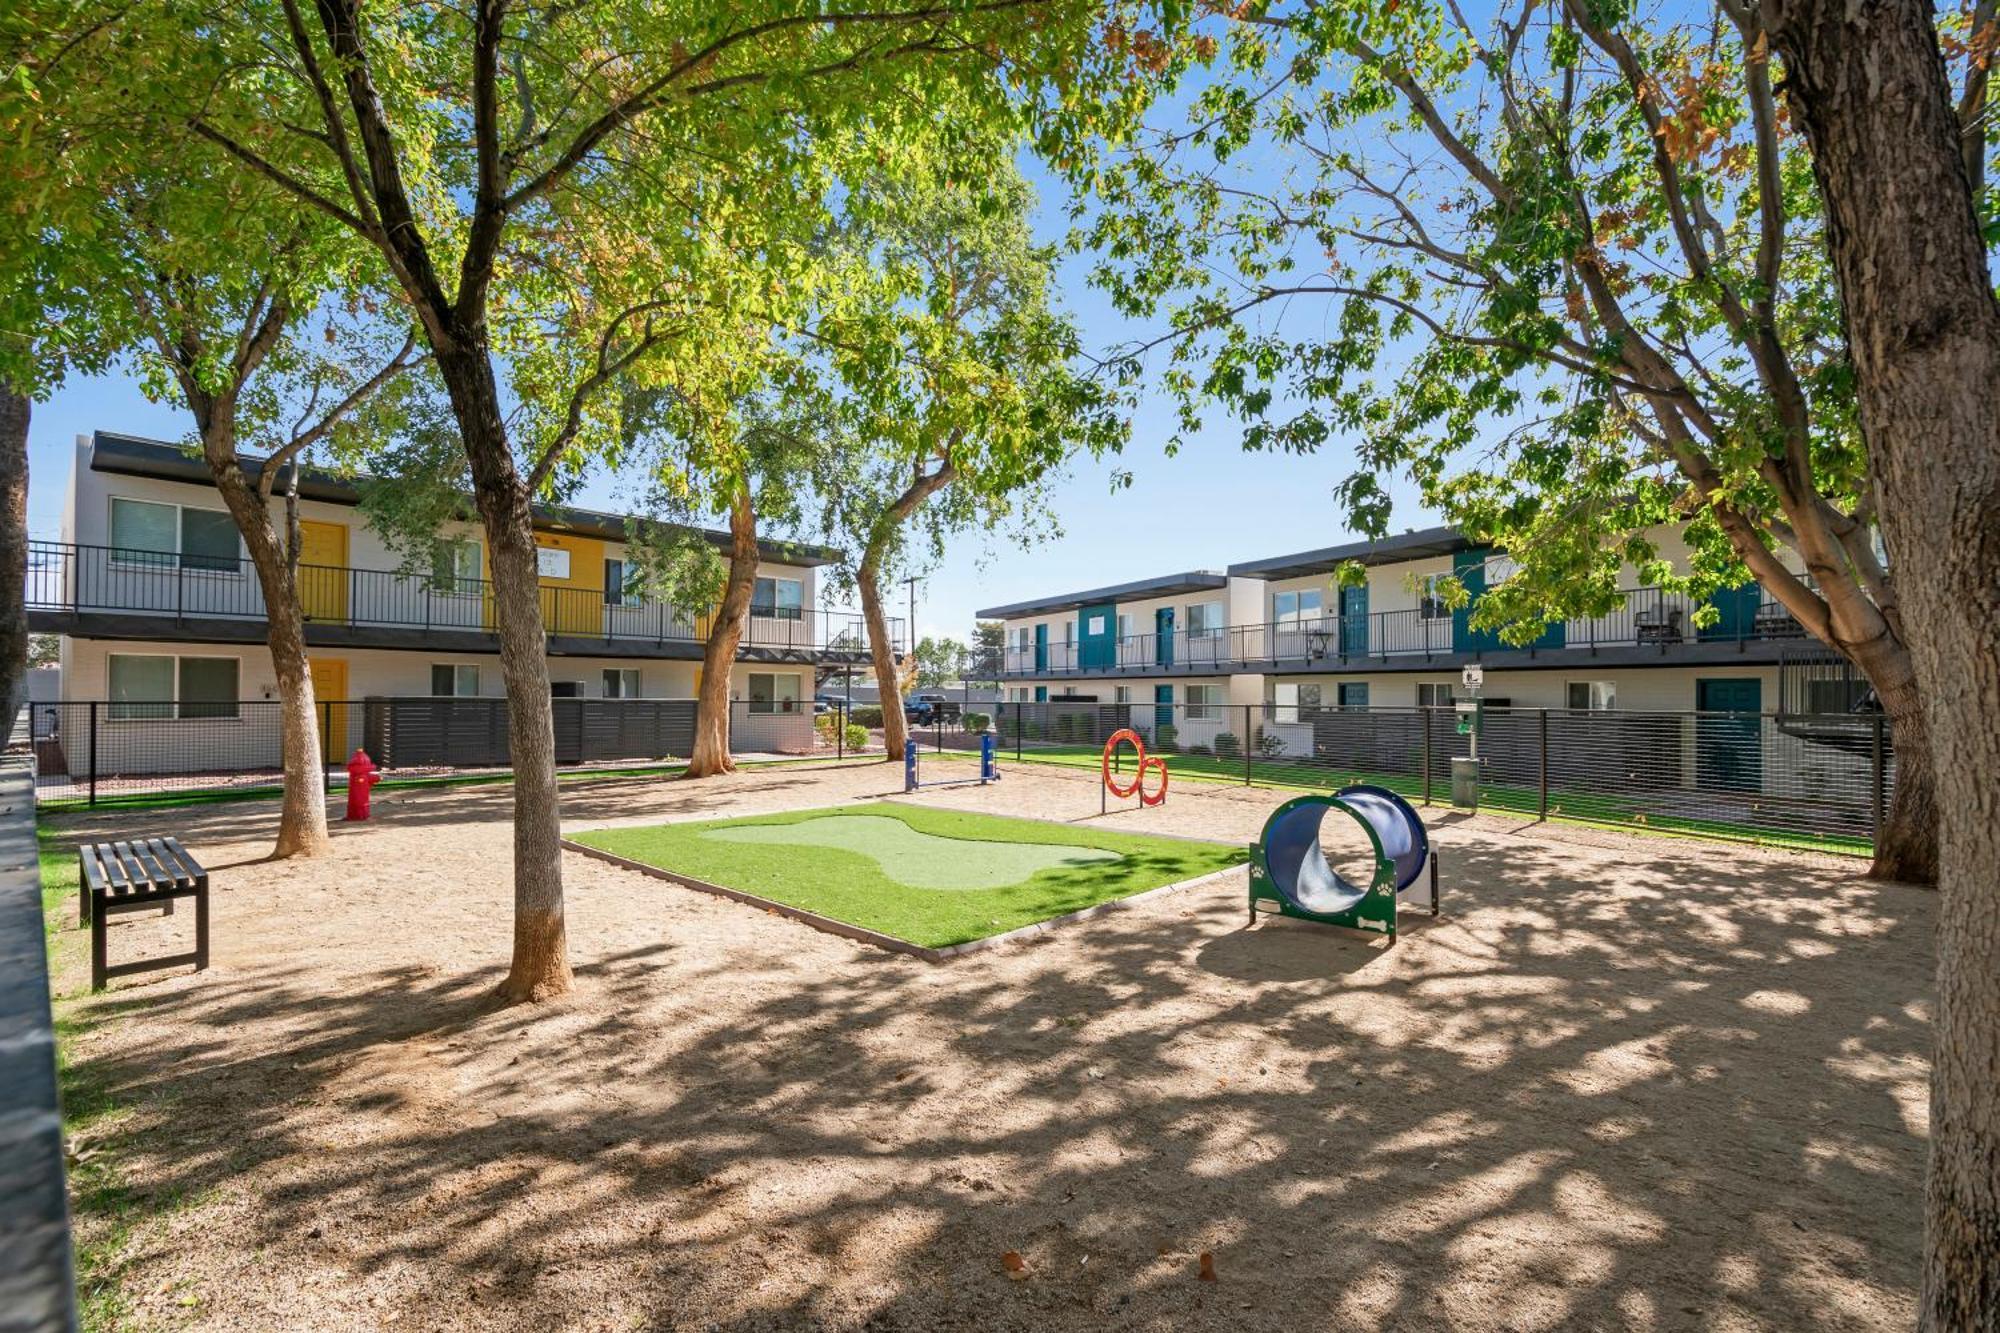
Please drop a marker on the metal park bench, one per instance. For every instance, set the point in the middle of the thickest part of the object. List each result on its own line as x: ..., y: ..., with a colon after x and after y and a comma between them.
x: 122, y: 876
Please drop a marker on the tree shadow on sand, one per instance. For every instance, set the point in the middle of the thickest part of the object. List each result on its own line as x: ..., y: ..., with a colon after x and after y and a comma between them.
x: 1693, y: 1100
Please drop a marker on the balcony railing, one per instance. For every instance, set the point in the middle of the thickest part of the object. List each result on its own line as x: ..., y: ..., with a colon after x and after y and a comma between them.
x: 1644, y: 618
x: 70, y: 578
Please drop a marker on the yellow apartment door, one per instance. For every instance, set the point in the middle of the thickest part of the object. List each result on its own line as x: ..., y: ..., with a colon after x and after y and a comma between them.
x: 572, y: 580
x: 323, y: 570
x: 329, y: 678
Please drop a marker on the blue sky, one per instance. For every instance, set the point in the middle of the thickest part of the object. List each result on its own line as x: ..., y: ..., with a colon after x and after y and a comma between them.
x: 1208, y: 506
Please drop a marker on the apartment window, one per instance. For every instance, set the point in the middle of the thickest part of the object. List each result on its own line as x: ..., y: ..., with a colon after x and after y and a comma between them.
x: 1121, y: 694
x: 455, y: 568
x: 621, y: 584
x: 1204, y: 702
x: 773, y: 693
x: 1124, y: 625
x: 450, y: 680
x: 621, y: 683
x: 143, y: 532
x: 1291, y: 700
x: 1434, y: 694
x: 1094, y: 627
x: 778, y: 599
x: 1295, y: 608
x: 1204, y: 620
x: 1020, y: 694
x: 148, y: 686
x: 1593, y: 695
x: 1430, y: 601
x: 1499, y: 568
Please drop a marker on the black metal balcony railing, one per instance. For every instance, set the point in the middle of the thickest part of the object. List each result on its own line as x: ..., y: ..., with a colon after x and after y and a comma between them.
x: 70, y: 578
x: 1644, y: 618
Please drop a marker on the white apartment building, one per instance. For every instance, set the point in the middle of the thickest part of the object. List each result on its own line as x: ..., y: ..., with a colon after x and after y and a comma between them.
x: 162, y: 617
x: 1282, y: 636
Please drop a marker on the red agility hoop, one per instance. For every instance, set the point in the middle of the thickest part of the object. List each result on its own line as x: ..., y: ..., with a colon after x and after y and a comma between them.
x: 1138, y: 787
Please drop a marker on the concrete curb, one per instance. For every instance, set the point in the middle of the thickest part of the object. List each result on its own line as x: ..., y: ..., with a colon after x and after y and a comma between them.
x: 875, y: 937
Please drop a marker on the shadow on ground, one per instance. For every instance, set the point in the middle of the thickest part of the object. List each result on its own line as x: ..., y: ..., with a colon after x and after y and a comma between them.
x: 1642, y: 1087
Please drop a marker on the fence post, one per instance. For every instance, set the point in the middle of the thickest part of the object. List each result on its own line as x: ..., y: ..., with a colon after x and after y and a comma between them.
x: 93, y: 754
x: 1543, y: 812
x: 1248, y: 722
x: 1426, y: 713
x: 840, y: 731
x: 325, y: 769
x: 1879, y: 771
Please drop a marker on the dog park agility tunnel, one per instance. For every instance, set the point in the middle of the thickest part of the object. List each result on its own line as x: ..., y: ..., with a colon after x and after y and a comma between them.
x: 1288, y: 866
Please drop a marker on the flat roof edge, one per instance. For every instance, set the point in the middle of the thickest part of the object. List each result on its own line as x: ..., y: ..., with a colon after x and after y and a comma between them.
x: 1164, y: 585
x: 119, y: 454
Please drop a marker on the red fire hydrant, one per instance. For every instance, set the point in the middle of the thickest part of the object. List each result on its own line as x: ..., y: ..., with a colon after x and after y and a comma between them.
x: 361, y: 775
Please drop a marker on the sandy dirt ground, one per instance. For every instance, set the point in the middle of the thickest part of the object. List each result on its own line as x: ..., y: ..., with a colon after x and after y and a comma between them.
x: 1621, y: 1083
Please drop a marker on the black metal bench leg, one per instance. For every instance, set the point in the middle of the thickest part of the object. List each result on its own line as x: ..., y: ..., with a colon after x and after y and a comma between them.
x: 200, y: 926
x: 97, y: 945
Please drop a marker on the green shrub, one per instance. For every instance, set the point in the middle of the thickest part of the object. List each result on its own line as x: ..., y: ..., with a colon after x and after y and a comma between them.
x: 824, y: 724
x: 1268, y: 745
x: 867, y: 715
x: 857, y: 736
x: 977, y: 722
x: 1200, y: 750
x: 1066, y: 726
x: 1166, y: 739
x: 1227, y: 746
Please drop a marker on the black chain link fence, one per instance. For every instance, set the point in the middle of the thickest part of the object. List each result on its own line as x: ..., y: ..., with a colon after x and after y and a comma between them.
x: 1813, y: 779
x: 1817, y: 779
x: 95, y: 752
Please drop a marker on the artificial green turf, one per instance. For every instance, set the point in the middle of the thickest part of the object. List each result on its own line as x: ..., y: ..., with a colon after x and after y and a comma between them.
x: 823, y: 871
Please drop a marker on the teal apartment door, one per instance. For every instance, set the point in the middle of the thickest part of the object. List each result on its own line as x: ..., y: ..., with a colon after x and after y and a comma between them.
x: 1738, y: 608
x: 1728, y: 750
x: 1354, y: 621
x: 1041, y: 648
x: 1097, y: 646
x: 1353, y: 696
x: 1163, y: 705
x: 1163, y: 638
x: 1470, y: 566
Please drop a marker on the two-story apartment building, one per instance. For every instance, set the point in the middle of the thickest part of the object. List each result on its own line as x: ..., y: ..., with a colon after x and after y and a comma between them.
x: 1283, y: 632
x: 162, y: 616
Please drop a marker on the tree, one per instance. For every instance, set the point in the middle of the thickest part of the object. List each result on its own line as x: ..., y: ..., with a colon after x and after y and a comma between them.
x: 939, y: 662
x: 987, y: 658
x: 14, y: 413
x: 250, y: 319
x: 569, y: 197
x: 983, y: 402
x: 769, y: 453
x: 1901, y: 171
x: 1576, y: 280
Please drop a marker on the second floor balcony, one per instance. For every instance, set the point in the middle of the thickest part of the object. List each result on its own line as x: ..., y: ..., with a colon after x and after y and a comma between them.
x: 1645, y: 621
x: 68, y: 585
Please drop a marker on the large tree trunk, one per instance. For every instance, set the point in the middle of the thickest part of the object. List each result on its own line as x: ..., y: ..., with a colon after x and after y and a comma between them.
x: 302, y: 814
x: 718, y: 655
x: 15, y: 411
x: 1906, y: 846
x: 540, y: 968
x: 1867, y: 85
x: 882, y: 653
x: 881, y: 649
